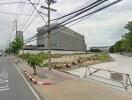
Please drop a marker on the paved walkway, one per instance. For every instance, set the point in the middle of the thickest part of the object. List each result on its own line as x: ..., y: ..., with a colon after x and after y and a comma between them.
x: 55, y: 75
x: 71, y: 88
x: 80, y: 90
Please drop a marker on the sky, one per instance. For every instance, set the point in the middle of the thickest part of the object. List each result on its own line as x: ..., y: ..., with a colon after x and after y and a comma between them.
x: 101, y: 29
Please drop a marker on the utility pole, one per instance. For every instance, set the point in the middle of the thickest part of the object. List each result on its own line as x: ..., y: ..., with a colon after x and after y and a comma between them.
x: 9, y: 47
x: 49, y: 38
x: 16, y: 27
x: 49, y: 2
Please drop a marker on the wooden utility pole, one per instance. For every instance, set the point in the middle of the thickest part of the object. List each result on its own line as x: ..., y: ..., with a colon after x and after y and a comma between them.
x: 49, y: 2
x: 49, y: 38
x: 16, y: 27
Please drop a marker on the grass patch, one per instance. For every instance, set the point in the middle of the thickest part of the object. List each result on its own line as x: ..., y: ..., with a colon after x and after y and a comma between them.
x: 45, y: 65
x: 102, y: 57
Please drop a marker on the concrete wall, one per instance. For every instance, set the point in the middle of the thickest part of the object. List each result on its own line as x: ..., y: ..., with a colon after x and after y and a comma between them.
x: 127, y: 54
x: 52, y: 51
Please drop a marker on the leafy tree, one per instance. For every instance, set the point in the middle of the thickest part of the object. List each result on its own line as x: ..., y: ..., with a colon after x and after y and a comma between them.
x: 95, y: 50
x: 124, y: 45
x: 117, y: 46
x: 111, y: 49
x: 15, y: 46
x: 34, y: 60
x: 128, y: 37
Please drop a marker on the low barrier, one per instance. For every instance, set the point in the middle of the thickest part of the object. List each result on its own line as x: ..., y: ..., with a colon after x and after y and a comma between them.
x: 109, y: 77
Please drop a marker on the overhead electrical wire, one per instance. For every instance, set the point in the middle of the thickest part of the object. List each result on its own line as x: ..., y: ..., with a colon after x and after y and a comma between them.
x: 93, y: 12
x: 98, y: 1
x: 23, y: 5
x: 37, y: 11
x: 77, y: 10
x: 93, y: 5
x: 102, y: 8
x: 30, y: 14
x: 11, y: 13
x: 35, y: 19
x: 6, y: 3
x: 40, y: 16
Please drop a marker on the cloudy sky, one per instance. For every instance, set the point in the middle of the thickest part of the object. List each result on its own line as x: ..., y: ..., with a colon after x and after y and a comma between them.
x: 101, y: 29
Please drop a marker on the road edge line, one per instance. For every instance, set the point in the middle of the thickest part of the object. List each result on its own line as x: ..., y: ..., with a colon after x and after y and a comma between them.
x: 30, y: 87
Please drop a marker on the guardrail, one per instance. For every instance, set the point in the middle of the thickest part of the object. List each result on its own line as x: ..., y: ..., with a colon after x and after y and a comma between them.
x: 109, y: 77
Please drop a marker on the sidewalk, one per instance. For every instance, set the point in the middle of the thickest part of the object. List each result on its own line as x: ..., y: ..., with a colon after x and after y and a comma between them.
x: 80, y: 90
x: 68, y: 87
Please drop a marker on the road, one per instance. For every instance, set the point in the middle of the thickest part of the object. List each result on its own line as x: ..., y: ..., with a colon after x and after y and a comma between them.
x: 123, y: 63
x: 12, y: 85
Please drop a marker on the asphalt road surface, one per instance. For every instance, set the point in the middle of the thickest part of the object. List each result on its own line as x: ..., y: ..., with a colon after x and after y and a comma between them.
x: 12, y: 85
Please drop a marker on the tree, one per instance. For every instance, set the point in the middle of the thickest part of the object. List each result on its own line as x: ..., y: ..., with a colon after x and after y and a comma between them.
x: 117, y: 46
x: 15, y: 46
x: 128, y: 37
x: 125, y: 44
x: 34, y: 60
x: 95, y: 50
x: 111, y: 49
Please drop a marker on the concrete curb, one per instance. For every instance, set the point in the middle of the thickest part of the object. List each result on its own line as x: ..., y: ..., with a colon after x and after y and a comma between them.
x: 34, y: 81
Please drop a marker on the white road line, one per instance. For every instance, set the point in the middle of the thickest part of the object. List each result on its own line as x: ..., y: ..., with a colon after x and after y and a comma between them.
x: 36, y: 95
x: 4, y: 81
x: 4, y: 89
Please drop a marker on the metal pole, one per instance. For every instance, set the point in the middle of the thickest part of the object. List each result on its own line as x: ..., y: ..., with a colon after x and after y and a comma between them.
x: 9, y: 47
x: 23, y: 48
x: 16, y: 28
x: 49, y: 38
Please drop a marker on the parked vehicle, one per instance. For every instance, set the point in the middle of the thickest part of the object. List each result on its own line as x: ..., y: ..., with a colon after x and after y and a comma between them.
x: 1, y: 52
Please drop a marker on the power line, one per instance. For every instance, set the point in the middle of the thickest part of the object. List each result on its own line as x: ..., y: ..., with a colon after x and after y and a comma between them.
x: 94, y: 12
x: 37, y: 12
x: 77, y: 10
x: 91, y: 6
x: 30, y: 23
x: 11, y: 13
x: 30, y: 14
x: 94, y: 3
x: 41, y: 17
x: 8, y: 3
x: 23, y: 5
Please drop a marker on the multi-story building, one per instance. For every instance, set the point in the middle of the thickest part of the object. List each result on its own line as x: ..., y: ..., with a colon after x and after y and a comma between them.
x: 62, y: 38
x: 19, y: 34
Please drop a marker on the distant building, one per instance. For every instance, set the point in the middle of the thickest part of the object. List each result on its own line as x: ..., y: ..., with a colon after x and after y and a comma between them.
x: 102, y: 48
x: 62, y: 38
x: 30, y: 47
x: 19, y: 34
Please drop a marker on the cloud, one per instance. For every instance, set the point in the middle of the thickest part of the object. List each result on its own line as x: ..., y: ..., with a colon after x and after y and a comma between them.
x: 103, y: 28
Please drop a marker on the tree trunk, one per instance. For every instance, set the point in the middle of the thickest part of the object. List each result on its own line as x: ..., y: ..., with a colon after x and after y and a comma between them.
x: 34, y: 69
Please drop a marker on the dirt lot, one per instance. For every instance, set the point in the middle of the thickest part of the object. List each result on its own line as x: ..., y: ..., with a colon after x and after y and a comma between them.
x: 69, y: 62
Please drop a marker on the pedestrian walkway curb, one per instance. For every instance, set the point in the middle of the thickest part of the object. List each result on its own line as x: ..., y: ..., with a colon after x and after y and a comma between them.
x: 34, y: 81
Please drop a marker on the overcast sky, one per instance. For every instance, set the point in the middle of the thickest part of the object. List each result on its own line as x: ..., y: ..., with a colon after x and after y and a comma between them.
x: 102, y: 29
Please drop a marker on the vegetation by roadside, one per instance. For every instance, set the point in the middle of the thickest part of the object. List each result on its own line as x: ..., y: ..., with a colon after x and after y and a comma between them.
x: 125, y: 44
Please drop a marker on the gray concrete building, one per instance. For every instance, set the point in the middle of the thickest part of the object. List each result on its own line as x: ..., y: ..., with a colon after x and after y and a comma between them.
x: 61, y: 39
x: 19, y: 34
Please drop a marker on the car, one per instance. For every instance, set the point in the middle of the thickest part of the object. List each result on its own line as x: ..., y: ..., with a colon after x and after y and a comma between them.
x: 1, y: 52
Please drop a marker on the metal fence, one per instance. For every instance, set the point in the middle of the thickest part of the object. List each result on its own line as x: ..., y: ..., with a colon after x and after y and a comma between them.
x: 117, y: 79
